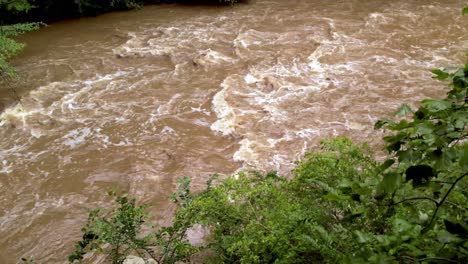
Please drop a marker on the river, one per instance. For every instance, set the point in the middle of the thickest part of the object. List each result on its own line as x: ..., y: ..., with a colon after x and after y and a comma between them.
x: 135, y: 100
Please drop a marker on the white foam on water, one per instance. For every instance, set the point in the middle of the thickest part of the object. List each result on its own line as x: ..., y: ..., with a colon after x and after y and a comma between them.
x: 6, y: 167
x: 224, y: 112
x: 12, y: 114
x: 185, y: 44
x: 202, y: 123
x: 18, y: 116
x: 168, y: 131
x: 307, y: 133
x: 253, y: 37
x: 201, y: 110
x: 76, y: 137
x: 246, y: 151
x: 210, y: 57
x: 47, y: 104
x: 250, y: 79
x: 166, y: 108
x: 375, y: 19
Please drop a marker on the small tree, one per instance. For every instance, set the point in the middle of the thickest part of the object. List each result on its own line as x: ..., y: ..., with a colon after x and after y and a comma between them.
x: 120, y: 232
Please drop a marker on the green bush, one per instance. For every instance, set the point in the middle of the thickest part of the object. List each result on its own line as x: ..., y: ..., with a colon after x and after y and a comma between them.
x: 125, y: 230
x: 267, y: 219
x: 427, y: 185
x: 8, y: 46
x: 119, y: 228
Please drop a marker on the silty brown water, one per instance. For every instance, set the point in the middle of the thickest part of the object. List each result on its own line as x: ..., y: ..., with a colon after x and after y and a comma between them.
x: 139, y: 99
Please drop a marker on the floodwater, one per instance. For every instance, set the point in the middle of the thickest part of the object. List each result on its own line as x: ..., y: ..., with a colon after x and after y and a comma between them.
x: 135, y: 100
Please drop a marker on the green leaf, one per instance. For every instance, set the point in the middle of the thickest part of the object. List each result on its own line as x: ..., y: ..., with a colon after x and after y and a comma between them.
x: 400, y: 125
x: 387, y: 164
x: 390, y: 182
x: 401, y: 225
x: 445, y: 237
x: 443, y: 162
x: 409, y: 156
x: 436, y: 105
x: 440, y: 74
x: 334, y: 197
x: 362, y: 237
x: 465, y: 11
x: 403, y: 110
x: 464, y: 157
x: 425, y: 128
x: 382, y: 122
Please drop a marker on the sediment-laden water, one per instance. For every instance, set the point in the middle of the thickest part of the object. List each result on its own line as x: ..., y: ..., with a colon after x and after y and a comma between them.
x: 138, y: 99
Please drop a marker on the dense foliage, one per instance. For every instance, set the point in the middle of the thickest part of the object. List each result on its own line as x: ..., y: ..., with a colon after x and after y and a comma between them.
x: 427, y: 184
x: 342, y: 206
x: 8, y: 46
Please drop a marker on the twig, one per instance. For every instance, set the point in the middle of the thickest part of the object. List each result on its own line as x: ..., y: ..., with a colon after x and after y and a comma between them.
x: 258, y: 219
x: 439, y: 204
x: 444, y: 182
x: 417, y: 198
x: 437, y: 258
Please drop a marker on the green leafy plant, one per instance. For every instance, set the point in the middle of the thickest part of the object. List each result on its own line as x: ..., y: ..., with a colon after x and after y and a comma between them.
x: 120, y: 232
x: 118, y: 229
x: 427, y: 185
x: 15, y: 5
x: 258, y: 218
x: 8, y: 46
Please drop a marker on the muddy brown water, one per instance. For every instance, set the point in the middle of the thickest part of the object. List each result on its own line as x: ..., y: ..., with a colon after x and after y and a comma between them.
x: 138, y: 99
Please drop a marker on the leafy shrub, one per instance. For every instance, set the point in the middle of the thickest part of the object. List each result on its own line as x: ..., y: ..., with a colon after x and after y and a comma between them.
x: 119, y: 228
x: 8, y: 46
x: 267, y: 219
x: 427, y: 186
x: 121, y: 231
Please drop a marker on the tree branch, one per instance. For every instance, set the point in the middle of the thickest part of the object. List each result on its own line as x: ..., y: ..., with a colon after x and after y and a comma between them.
x: 437, y: 258
x: 416, y: 198
x: 439, y: 204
